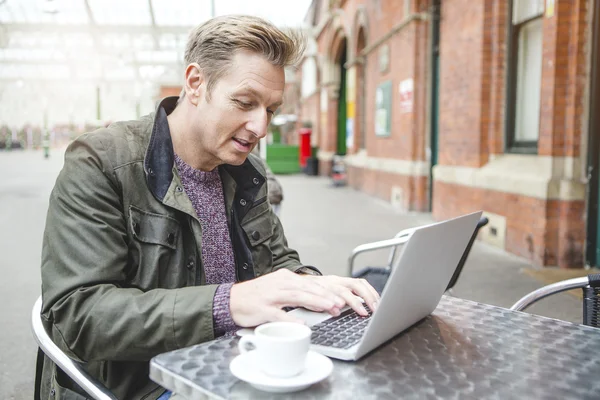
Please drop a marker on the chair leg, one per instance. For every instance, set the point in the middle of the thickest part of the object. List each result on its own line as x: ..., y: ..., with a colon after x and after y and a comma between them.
x: 39, y: 366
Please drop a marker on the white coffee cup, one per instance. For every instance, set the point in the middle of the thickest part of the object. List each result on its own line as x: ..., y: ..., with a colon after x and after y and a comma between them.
x: 280, y: 348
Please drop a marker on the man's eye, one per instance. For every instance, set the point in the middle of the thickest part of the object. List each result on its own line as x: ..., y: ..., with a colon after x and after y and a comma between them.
x: 270, y: 112
x: 243, y: 104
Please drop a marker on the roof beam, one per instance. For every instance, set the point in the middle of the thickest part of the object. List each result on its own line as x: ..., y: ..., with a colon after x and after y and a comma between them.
x: 94, y: 32
x: 85, y: 28
x: 36, y: 79
x: 153, y: 19
x: 50, y: 61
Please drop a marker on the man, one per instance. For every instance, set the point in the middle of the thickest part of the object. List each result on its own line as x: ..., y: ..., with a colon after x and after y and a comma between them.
x: 152, y: 222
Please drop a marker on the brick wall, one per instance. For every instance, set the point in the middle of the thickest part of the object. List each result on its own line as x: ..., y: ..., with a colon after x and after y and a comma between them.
x: 472, y: 112
x: 380, y: 184
x: 563, y: 79
x: 461, y: 82
x: 166, y: 91
x: 408, y: 58
x: 547, y: 232
x: 310, y: 111
x: 472, y: 104
x: 495, y: 30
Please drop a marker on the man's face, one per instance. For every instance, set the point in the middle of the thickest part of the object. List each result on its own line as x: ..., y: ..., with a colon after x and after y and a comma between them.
x: 240, y: 108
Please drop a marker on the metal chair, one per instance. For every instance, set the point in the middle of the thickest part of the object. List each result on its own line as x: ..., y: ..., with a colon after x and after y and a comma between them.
x: 378, y: 276
x: 73, y: 369
x: 591, y: 296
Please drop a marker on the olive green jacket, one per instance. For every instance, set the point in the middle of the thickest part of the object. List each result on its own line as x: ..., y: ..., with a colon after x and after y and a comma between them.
x: 122, y: 276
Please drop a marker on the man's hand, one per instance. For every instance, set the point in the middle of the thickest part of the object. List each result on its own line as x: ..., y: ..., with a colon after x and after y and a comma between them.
x: 262, y: 299
x: 350, y: 290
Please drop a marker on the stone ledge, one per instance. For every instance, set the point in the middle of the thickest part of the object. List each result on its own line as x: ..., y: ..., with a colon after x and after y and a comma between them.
x: 542, y: 177
x: 390, y: 165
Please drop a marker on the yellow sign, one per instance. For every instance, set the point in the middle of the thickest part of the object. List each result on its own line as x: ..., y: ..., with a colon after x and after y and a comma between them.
x: 350, y: 109
x: 550, y: 8
x: 350, y: 92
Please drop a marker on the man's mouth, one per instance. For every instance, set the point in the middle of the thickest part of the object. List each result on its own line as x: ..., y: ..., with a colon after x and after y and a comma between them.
x: 243, y: 143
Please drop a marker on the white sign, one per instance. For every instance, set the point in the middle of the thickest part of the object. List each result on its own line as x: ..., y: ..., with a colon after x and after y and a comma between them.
x: 324, y: 100
x: 406, y: 95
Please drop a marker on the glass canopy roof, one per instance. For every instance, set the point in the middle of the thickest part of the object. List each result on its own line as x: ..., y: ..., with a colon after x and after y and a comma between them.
x: 126, y: 39
x: 126, y: 46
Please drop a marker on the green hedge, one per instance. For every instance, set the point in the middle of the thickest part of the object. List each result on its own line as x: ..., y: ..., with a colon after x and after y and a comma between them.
x: 283, y: 159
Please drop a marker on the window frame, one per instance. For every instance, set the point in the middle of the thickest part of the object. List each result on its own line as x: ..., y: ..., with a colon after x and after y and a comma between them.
x: 512, y: 145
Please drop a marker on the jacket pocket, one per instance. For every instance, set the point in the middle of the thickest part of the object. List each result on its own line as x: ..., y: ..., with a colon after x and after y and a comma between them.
x: 258, y: 230
x: 153, y: 247
x: 153, y: 228
x: 261, y: 206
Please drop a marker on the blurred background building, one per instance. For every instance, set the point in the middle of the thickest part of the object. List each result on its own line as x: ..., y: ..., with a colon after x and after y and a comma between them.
x: 70, y: 65
x: 445, y: 106
x: 459, y: 105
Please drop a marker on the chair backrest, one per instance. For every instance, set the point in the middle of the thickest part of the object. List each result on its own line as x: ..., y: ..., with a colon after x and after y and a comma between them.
x: 94, y: 388
x: 591, y: 296
x: 591, y: 301
x: 483, y: 221
x: 402, y: 234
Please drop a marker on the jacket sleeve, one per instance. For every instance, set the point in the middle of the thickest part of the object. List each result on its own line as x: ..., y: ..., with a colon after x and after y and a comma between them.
x: 274, y: 187
x: 88, y: 309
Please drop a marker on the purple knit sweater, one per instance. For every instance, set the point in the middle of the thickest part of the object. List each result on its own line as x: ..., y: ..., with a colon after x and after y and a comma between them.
x: 205, y: 190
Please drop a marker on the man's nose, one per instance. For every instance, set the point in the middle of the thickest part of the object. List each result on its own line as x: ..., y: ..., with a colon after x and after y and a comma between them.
x: 258, y: 123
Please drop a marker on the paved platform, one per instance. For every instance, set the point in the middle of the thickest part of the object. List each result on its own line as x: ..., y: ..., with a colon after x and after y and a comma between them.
x: 324, y: 223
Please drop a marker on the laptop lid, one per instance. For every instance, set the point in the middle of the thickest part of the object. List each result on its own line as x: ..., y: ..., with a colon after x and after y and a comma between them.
x: 418, y: 278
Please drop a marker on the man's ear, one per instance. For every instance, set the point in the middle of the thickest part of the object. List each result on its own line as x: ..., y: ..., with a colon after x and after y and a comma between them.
x: 195, y: 84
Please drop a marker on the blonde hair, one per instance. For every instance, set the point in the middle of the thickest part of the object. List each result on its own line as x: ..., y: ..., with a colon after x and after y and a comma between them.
x: 214, y: 43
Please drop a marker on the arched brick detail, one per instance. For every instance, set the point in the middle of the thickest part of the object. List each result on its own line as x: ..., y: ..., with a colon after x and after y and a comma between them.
x: 359, y: 40
x: 361, y: 21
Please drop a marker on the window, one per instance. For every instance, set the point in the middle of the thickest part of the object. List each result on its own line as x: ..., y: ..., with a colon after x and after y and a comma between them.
x: 309, y: 77
x: 524, y: 76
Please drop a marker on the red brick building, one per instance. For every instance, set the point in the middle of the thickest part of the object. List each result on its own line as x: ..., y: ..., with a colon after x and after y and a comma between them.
x: 458, y: 105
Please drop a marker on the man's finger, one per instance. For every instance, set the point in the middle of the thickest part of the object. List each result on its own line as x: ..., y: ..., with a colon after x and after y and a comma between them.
x: 354, y: 302
x: 373, y: 301
x: 360, y: 287
x: 306, y: 299
x: 280, y: 315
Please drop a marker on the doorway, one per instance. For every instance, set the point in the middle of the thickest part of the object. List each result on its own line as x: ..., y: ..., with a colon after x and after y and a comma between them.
x: 593, y: 220
x: 435, y: 85
x: 341, y: 109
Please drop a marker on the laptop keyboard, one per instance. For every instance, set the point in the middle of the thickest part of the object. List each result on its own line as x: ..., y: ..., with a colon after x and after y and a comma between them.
x: 342, y: 332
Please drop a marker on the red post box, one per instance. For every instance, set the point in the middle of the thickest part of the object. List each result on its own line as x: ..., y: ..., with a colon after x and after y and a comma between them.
x: 305, y: 148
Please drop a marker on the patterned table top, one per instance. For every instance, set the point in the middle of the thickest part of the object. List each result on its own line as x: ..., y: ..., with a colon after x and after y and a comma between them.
x: 463, y: 350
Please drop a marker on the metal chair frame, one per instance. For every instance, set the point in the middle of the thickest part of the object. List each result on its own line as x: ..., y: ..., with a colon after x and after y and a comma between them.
x: 591, y: 296
x: 399, y: 239
x: 74, y: 370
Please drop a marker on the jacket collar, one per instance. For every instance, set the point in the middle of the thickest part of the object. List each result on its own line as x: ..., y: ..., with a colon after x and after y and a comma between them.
x: 159, y: 159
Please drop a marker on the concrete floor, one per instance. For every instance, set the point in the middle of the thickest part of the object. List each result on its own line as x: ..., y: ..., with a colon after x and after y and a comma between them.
x: 26, y: 179
x: 322, y: 222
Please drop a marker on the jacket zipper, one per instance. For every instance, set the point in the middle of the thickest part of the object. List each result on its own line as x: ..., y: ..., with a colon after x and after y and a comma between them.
x: 197, y: 260
x: 259, y: 201
x: 235, y: 257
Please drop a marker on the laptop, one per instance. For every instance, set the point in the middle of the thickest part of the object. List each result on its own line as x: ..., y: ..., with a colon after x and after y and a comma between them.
x: 416, y: 284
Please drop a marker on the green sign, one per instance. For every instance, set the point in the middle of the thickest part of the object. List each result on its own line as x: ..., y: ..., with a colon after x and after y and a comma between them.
x: 383, y: 109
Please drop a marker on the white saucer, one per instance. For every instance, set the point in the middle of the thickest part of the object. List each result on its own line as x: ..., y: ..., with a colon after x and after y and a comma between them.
x: 318, y: 367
